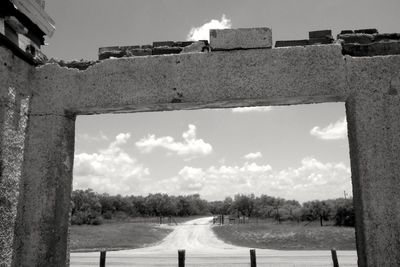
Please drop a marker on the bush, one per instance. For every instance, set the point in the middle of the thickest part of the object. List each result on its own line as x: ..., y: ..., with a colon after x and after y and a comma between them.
x: 345, y: 215
x: 107, y: 215
x: 96, y: 221
x: 78, y: 218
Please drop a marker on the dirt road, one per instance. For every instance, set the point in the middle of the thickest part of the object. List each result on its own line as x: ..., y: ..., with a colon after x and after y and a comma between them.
x: 203, y: 248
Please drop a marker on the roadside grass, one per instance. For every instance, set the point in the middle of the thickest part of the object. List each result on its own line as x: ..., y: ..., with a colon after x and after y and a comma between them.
x: 121, y: 233
x: 115, y: 236
x: 287, y: 236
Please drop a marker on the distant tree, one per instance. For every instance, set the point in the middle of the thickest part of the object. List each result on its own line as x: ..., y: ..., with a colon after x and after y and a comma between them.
x: 344, y: 215
x: 86, y: 208
x: 107, y: 205
x: 243, y: 204
x: 227, y: 205
x: 317, y: 209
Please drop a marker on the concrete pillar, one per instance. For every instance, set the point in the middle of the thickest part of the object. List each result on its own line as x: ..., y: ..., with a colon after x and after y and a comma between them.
x: 43, y: 210
x: 13, y: 117
x: 14, y: 105
x: 374, y: 136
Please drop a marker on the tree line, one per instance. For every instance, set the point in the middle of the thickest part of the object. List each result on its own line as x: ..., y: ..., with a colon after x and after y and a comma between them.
x: 89, y: 207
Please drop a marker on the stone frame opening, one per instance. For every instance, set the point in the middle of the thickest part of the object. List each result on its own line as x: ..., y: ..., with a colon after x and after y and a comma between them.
x: 297, y: 75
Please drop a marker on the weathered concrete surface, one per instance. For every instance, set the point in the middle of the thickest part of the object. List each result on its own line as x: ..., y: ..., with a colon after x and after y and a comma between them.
x: 295, y: 75
x: 43, y: 217
x: 14, y: 105
x: 228, y: 39
x: 373, y: 116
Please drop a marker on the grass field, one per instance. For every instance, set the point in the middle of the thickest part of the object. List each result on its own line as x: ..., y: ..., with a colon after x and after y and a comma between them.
x: 115, y: 235
x: 125, y: 233
x: 288, y: 236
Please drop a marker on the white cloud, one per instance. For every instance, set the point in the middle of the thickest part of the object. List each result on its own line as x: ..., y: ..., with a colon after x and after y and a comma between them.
x: 202, y: 32
x: 191, y: 146
x: 335, y: 131
x: 192, y: 179
x: 109, y: 170
x: 251, y: 109
x: 114, y: 171
x: 311, y: 180
x: 254, y: 155
x: 84, y: 137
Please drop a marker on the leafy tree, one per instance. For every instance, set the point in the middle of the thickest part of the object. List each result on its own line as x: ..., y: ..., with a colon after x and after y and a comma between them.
x: 86, y: 208
x: 317, y: 210
x: 344, y: 215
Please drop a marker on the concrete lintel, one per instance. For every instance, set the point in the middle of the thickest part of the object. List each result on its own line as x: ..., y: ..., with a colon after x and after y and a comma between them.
x: 301, y: 74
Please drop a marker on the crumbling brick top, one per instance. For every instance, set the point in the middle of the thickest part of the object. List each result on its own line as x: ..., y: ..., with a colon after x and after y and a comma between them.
x: 363, y: 42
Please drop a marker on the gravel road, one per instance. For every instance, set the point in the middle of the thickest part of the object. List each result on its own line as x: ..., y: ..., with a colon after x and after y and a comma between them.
x: 203, y: 249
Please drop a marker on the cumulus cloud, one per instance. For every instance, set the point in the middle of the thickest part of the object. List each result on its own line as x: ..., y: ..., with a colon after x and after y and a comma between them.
x: 251, y: 109
x: 191, y: 146
x: 114, y: 171
x: 193, y: 179
x: 312, y: 179
x: 85, y: 137
x: 202, y: 32
x: 254, y: 155
x: 333, y: 131
x: 109, y: 170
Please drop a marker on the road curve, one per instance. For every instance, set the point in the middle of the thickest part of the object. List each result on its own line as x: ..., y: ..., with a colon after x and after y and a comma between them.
x: 203, y: 248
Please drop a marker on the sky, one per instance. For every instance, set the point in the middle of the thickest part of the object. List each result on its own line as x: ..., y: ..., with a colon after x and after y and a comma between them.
x: 296, y: 152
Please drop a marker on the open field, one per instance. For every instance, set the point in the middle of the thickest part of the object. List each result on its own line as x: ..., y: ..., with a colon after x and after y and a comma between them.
x: 116, y: 235
x: 127, y: 233
x: 204, y: 249
x: 287, y: 236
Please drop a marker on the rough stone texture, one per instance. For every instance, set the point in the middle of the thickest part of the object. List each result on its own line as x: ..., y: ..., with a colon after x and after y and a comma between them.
x: 284, y: 76
x: 368, y: 43
x: 158, y: 48
x: 359, y: 38
x: 124, y: 51
x: 199, y: 46
x: 194, y: 80
x: 314, y: 41
x: 14, y: 104
x: 227, y: 39
x: 292, y: 43
x: 320, y: 34
x: 373, y: 115
x: 373, y: 49
x: 43, y: 217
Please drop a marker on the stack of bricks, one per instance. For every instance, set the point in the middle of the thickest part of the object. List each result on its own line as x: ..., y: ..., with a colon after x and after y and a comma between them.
x: 314, y: 38
x: 220, y: 40
x: 157, y: 48
x: 368, y: 42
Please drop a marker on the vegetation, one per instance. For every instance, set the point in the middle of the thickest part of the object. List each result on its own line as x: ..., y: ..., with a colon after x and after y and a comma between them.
x: 92, y: 208
x: 116, y: 235
x: 287, y: 236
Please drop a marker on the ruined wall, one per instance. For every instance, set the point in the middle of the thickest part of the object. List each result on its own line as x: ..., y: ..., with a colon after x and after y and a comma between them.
x: 14, y: 105
x: 231, y: 77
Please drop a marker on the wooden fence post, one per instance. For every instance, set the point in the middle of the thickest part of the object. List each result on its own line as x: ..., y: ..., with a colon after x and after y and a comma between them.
x: 181, y: 258
x: 102, y: 258
x: 334, y: 258
x: 253, y: 262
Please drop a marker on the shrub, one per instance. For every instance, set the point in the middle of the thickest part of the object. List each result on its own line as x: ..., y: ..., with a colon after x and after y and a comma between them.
x: 96, y: 221
x: 107, y: 215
